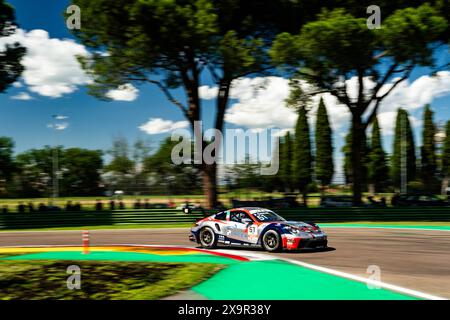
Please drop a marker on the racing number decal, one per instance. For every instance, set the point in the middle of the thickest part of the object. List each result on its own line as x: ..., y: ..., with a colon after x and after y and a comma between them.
x: 252, y: 232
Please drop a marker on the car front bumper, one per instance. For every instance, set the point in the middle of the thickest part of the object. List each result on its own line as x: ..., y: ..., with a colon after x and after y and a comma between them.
x: 295, y: 243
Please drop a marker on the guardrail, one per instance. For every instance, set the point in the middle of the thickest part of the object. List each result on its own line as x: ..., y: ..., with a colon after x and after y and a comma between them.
x: 172, y: 216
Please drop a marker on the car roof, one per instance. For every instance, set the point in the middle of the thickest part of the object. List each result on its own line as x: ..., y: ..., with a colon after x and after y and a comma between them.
x: 248, y: 209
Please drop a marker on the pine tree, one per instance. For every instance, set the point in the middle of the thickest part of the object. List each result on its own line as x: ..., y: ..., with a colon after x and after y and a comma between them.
x: 428, y: 151
x: 302, y: 162
x: 403, y: 132
x: 324, y: 146
x: 377, y: 171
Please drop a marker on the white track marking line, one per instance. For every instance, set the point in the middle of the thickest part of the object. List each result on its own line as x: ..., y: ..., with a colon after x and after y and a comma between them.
x: 376, y: 283
x: 254, y: 256
x: 262, y: 256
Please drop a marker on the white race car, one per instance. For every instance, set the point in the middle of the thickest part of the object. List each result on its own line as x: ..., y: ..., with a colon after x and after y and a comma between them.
x: 256, y: 227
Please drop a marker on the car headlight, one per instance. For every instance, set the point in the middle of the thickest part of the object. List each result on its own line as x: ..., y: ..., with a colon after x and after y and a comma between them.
x: 292, y: 230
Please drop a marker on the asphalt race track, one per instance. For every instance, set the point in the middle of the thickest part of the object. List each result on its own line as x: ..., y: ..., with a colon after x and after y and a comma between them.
x: 414, y: 259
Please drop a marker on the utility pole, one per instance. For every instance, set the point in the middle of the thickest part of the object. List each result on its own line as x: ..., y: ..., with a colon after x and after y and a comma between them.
x: 56, y: 125
x: 55, y: 170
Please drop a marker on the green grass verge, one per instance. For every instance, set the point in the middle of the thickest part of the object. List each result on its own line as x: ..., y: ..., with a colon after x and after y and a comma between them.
x: 38, y: 280
x: 188, y: 225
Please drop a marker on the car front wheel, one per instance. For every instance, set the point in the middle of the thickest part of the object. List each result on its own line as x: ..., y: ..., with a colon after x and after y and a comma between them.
x: 208, y: 238
x: 271, y: 241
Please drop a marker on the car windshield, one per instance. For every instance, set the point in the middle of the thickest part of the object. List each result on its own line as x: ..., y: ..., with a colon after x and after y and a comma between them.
x: 266, y: 215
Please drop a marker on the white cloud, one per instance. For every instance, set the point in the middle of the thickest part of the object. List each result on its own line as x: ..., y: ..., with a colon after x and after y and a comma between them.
x: 125, y: 92
x: 59, y: 126
x: 60, y: 117
x: 387, y: 121
x: 260, y: 106
x: 22, y: 96
x: 158, y: 125
x: 207, y: 93
x: 412, y: 96
x: 51, y: 67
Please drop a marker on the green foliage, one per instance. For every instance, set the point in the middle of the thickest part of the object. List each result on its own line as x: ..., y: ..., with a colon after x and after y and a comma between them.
x: 39, y: 280
x: 246, y: 175
x: 6, y: 158
x: 302, y: 158
x: 347, y: 150
x: 428, y: 165
x: 79, y: 172
x: 11, y: 56
x: 408, y: 34
x: 348, y: 166
x: 446, y: 152
x: 378, y: 171
x: 121, y: 162
x: 324, y: 146
x: 339, y: 46
x: 286, y: 162
x: 403, y: 139
x: 167, y: 177
x: 171, y: 39
x: 35, y: 173
x: 171, y: 43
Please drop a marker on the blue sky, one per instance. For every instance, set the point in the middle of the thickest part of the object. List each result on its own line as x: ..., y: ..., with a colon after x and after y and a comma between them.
x: 93, y: 123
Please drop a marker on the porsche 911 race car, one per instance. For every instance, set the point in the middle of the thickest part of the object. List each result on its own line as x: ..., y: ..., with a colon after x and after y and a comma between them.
x: 256, y: 227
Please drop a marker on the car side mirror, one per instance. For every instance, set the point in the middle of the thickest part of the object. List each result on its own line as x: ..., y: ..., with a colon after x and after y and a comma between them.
x: 247, y: 221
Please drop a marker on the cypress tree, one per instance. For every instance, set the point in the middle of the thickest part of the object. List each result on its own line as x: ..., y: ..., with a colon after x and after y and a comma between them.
x: 302, y: 162
x: 286, y: 162
x: 324, y: 146
x: 377, y: 170
x: 282, y: 162
x: 346, y: 149
x: 428, y: 150
x: 445, y: 170
x: 403, y: 130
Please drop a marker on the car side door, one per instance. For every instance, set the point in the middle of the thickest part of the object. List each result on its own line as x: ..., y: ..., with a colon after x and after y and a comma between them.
x: 238, y: 230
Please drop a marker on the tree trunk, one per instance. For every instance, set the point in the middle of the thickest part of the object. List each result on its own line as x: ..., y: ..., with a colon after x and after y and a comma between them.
x: 356, y: 157
x: 305, y: 197
x: 210, y: 184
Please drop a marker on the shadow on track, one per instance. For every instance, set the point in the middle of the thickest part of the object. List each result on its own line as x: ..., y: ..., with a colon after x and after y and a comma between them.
x: 301, y: 251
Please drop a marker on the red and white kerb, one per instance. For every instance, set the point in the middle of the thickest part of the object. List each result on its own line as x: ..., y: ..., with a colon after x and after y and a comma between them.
x: 85, y: 238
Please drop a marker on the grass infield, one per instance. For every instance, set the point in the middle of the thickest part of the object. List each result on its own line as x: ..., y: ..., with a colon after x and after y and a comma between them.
x: 100, y: 280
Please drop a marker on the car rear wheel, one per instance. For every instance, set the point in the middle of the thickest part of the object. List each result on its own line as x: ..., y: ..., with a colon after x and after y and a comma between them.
x: 208, y: 238
x: 271, y: 241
